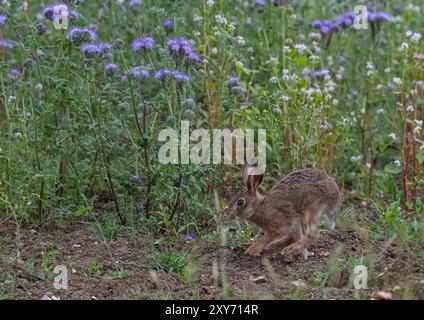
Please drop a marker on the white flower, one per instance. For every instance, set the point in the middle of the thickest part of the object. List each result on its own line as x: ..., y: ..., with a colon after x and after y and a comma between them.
x: 355, y: 158
x: 273, y: 80
x: 196, y: 33
x: 397, y: 163
x: 39, y: 87
x: 362, y: 110
x: 335, y: 102
x: 240, y: 40
x: 369, y: 73
x: 369, y: 65
x: 403, y: 47
x: 286, y: 49
x: 301, y: 48
x: 285, y: 98
x: 210, y: 3
x: 379, y: 86
x: 11, y: 99
x: 197, y: 18
x: 422, y: 147
x: 417, y: 129
x: 220, y: 19
x: 368, y: 165
x: 408, y: 33
x: 393, y: 136
x: 397, y: 81
x: 410, y: 108
x: 214, y: 50
x: 387, y: 70
x: 381, y: 110
x: 416, y: 37
x: 239, y: 64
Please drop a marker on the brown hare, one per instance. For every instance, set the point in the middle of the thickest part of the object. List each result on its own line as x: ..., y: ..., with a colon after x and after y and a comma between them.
x: 289, y: 213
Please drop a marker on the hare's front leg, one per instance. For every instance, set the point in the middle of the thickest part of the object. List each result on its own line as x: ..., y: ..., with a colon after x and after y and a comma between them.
x: 261, y: 244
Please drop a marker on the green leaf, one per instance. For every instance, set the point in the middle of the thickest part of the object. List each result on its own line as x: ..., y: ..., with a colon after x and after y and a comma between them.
x: 392, y: 168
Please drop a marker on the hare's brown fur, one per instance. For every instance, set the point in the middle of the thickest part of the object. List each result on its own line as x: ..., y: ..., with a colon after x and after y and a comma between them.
x: 289, y: 213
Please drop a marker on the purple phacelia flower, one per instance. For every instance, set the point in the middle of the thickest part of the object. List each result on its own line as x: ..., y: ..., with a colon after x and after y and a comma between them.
x: 180, y: 77
x: 6, y: 44
x: 145, y: 44
x: 134, y: 3
x: 56, y: 10
x: 90, y: 50
x: 232, y: 82
x: 162, y: 74
x: 183, y: 181
x: 379, y: 16
x: 110, y: 69
x: 74, y: 15
x: 316, y: 24
x: 189, y: 237
x: 189, y: 102
x: 179, y: 46
x: 321, y: 73
x: 3, y: 19
x: 168, y: 24
x: 124, y: 77
x: 346, y: 20
x: 13, y: 74
x: 192, y: 58
x: 260, y: 3
x: 140, y: 73
x: 79, y: 35
x: 105, y: 50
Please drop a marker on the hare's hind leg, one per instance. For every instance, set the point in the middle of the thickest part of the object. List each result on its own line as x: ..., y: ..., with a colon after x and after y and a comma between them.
x: 309, y: 234
x: 261, y: 244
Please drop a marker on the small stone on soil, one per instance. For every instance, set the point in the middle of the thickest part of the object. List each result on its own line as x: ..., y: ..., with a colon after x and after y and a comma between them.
x: 299, y: 283
x: 260, y: 279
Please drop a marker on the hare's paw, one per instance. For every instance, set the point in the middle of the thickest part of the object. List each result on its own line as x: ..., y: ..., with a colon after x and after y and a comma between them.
x: 253, y: 250
x: 295, y: 248
x: 306, y: 254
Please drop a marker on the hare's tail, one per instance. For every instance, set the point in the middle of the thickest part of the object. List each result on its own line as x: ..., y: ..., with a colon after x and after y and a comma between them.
x: 330, y: 217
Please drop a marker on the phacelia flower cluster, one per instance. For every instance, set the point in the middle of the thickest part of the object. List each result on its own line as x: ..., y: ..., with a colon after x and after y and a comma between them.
x: 182, y: 49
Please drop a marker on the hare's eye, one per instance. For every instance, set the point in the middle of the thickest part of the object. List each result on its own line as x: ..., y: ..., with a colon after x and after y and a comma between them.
x: 240, y: 202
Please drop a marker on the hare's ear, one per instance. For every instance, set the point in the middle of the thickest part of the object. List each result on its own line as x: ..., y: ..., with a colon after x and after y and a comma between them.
x: 252, y: 176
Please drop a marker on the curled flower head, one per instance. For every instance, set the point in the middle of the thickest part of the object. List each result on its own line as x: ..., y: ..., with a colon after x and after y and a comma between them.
x: 189, y: 237
x: 140, y: 73
x: 168, y: 24
x: 13, y: 74
x: 110, y: 69
x: 90, y: 50
x: 3, y: 19
x: 143, y: 44
x: 346, y: 20
x: 180, y: 77
x: 232, y: 82
x: 79, y: 35
x: 105, y: 50
x: 162, y: 74
x: 4, y: 43
x: 189, y: 102
x: 379, y: 16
